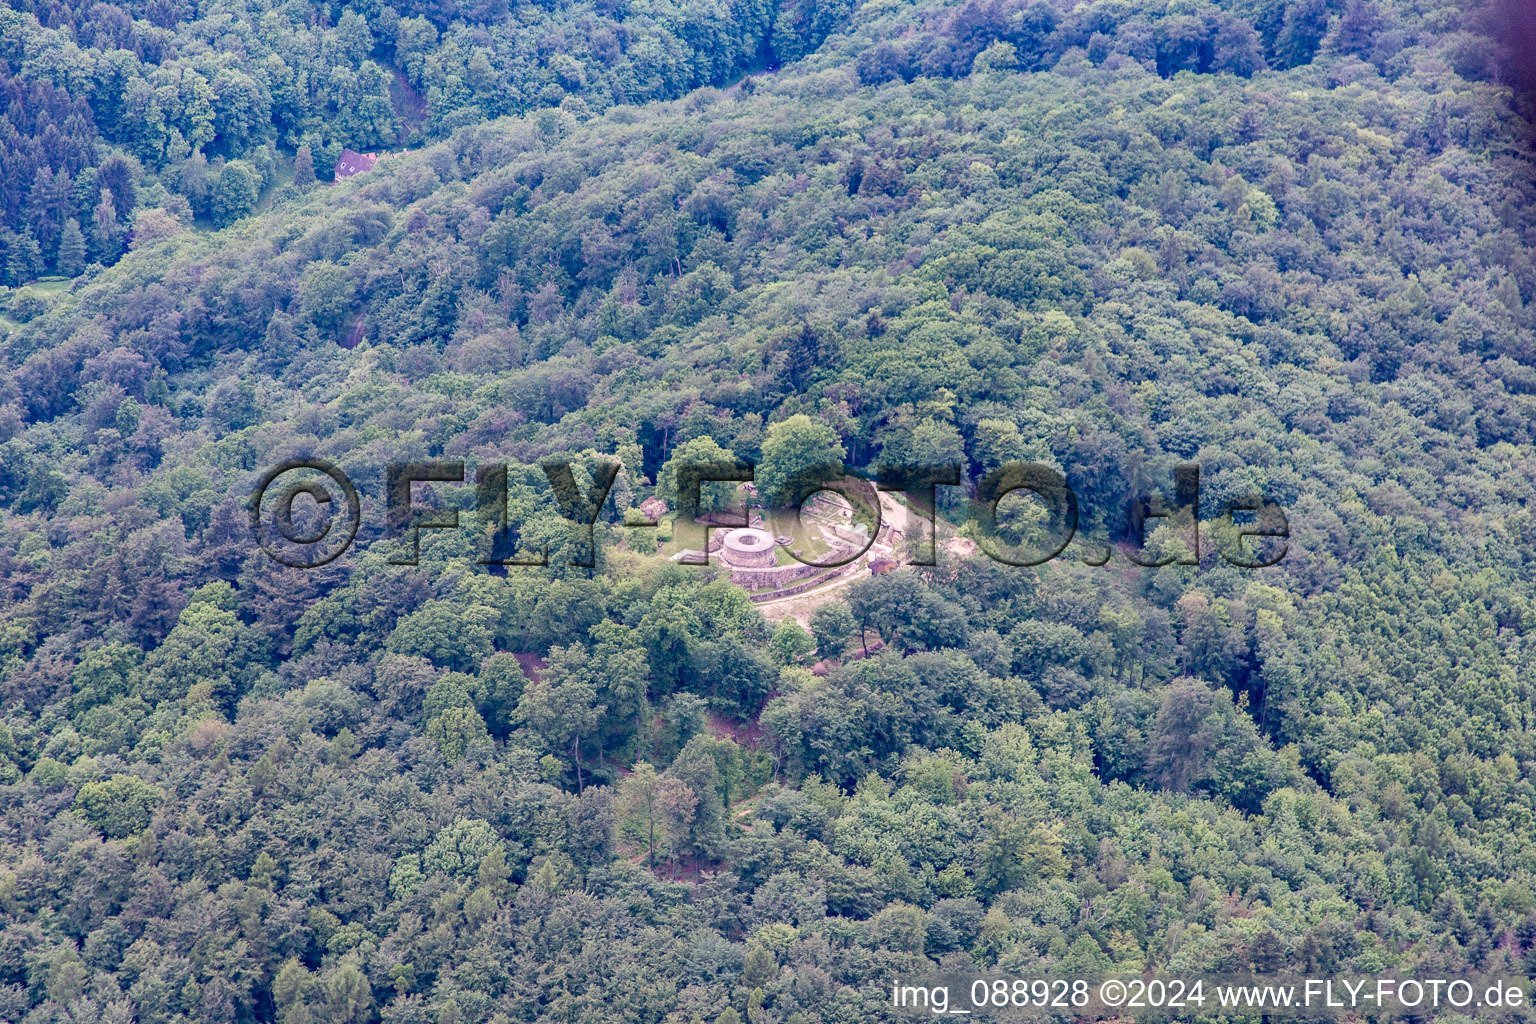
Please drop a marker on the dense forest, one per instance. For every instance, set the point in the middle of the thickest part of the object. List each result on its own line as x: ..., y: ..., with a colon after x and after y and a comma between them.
x: 133, y: 121
x: 1289, y: 241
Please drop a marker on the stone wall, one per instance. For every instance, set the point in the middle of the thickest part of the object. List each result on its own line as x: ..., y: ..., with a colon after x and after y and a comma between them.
x: 777, y: 576
x: 853, y: 537
x: 801, y: 588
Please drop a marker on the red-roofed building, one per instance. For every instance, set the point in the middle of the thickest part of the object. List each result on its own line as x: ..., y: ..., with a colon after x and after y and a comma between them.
x: 355, y: 163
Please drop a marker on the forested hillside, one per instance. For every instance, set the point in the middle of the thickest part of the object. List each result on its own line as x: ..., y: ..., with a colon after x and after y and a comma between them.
x: 137, y: 120
x: 1288, y: 241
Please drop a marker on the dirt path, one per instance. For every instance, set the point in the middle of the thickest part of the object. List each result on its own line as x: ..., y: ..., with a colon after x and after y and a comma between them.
x: 800, y: 606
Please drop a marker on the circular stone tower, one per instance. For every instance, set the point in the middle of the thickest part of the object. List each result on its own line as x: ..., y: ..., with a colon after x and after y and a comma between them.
x: 749, y: 549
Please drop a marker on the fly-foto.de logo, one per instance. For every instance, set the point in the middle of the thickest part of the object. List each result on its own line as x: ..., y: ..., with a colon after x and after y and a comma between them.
x: 305, y: 513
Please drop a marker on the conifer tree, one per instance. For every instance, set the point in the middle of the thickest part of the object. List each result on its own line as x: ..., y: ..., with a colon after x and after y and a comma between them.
x: 71, y: 255
x: 303, y: 167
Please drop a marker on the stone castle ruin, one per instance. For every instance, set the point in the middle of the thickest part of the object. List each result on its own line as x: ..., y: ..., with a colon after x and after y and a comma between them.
x: 749, y: 553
